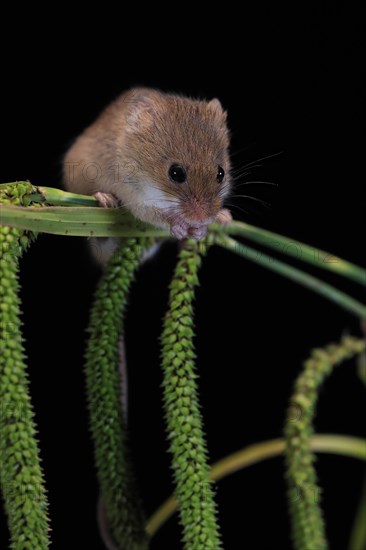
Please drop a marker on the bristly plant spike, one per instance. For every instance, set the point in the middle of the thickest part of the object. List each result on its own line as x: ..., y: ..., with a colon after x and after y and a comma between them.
x: 24, y: 210
x: 116, y: 479
x: 21, y: 477
x: 183, y: 418
x: 308, y: 529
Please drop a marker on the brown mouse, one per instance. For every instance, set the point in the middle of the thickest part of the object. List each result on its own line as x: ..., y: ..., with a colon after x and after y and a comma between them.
x: 162, y: 156
x: 165, y: 158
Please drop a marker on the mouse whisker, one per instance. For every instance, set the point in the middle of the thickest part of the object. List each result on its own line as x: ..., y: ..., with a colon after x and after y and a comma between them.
x: 267, y: 204
x: 171, y: 217
x: 254, y: 182
x: 235, y: 207
x: 254, y: 162
x: 241, y: 172
x: 222, y: 193
x: 189, y: 189
x: 248, y: 167
x: 178, y: 194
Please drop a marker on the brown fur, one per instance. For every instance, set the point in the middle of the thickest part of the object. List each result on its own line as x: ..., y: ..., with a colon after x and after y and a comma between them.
x: 144, y: 132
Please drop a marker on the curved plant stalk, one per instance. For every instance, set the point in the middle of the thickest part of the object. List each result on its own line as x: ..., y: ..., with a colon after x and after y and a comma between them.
x: 184, y: 423
x: 358, y: 533
x: 308, y: 529
x: 106, y: 222
x: 78, y: 221
x: 119, y: 220
x: 21, y: 476
x: 308, y: 281
x: 253, y: 454
x: 361, y: 367
x: 116, y: 479
x: 300, y: 251
x: 57, y: 197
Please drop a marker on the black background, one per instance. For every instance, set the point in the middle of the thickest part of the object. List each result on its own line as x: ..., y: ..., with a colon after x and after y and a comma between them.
x: 292, y: 83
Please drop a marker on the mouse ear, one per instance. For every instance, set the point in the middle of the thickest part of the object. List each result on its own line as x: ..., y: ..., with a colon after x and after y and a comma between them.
x: 216, y: 107
x: 140, y: 107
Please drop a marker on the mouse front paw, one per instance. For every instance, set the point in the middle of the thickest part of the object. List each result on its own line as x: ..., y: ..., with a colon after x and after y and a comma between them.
x: 107, y: 200
x: 224, y: 217
x: 179, y: 230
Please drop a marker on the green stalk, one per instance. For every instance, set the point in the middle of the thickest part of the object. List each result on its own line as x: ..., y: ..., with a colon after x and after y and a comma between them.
x: 253, y: 454
x: 114, y: 469
x: 21, y: 477
x: 308, y: 530
x: 299, y: 250
x: 57, y: 197
x: 51, y: 196
x: 308, y: 281
x: 183, y: 419
x: 358, y: 533
x: 78, y: 221
x: 361, y: 368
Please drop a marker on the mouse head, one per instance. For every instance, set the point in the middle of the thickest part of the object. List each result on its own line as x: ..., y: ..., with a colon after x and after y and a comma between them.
x: 180, y: 147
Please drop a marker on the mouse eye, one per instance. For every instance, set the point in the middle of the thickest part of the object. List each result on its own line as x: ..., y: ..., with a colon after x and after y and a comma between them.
x: 177, y: 173
x: 220, y: 174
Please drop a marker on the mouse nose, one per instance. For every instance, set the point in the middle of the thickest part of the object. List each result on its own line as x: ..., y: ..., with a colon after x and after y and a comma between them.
x: 197, y: 212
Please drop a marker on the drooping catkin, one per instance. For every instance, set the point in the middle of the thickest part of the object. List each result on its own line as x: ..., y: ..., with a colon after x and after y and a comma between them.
x: 308, y: 529
x: 115, y: 473
x: 21, y: 477
x: 187, y: 444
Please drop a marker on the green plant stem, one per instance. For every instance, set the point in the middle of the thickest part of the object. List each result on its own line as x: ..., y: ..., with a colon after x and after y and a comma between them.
x: 114, y: 469
x: 308, y: 281
x: 78, y: 221
x: 358, y: 533
x: 361, y: 368
x: 299, y: 250
x: 183, y: 419
x: 291, y: 247
x: 320, y: 443
x: 57, y: 197
x: 308, y: 530
x: 21, y: 476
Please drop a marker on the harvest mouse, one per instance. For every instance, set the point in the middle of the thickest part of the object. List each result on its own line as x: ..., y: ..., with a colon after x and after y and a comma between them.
x: 162, y: 156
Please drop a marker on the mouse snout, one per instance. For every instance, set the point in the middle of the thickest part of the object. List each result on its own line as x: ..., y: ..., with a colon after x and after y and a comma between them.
x: 199, y: 211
